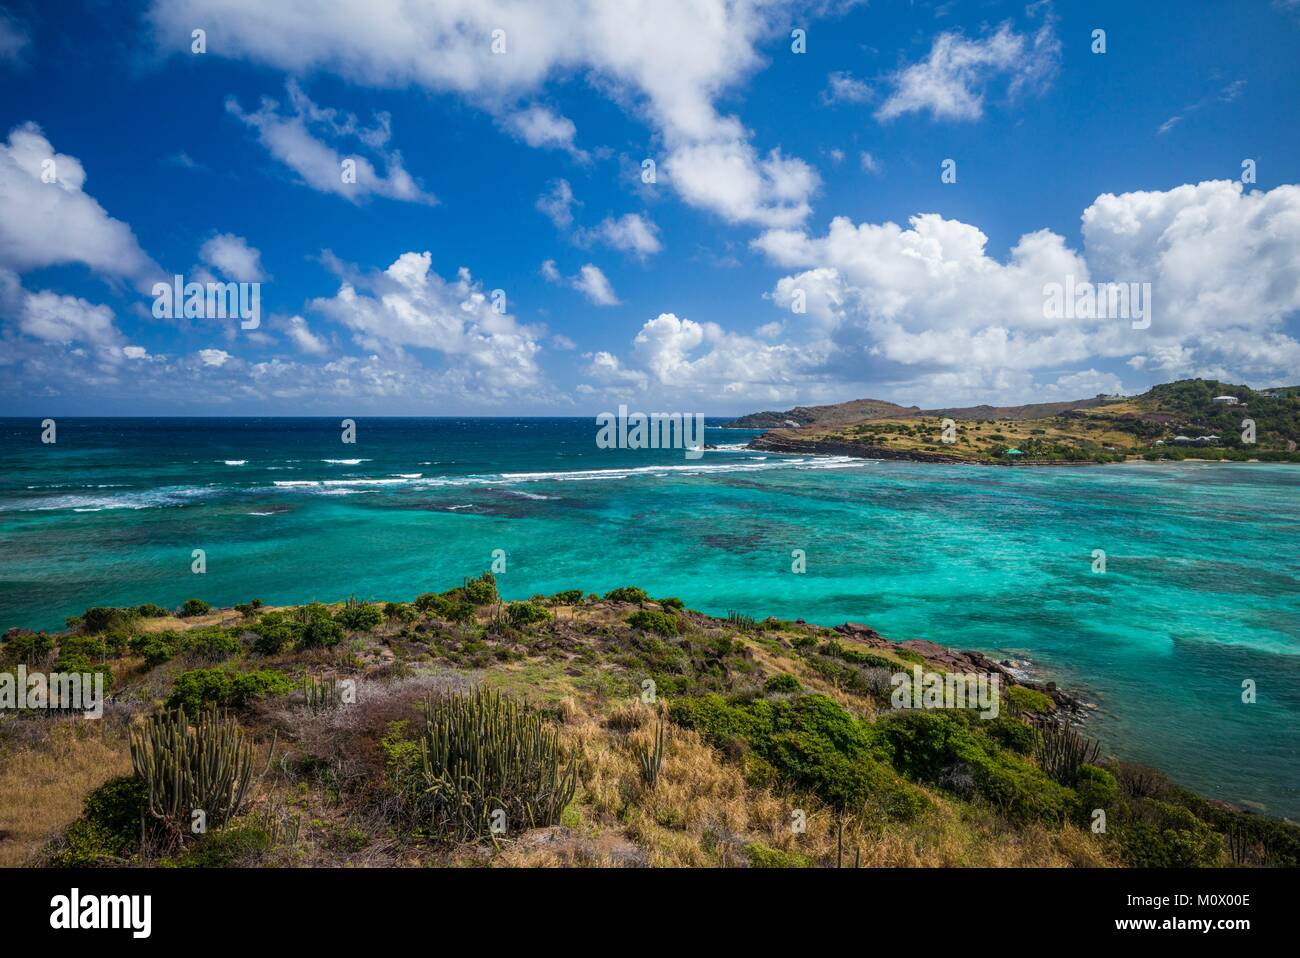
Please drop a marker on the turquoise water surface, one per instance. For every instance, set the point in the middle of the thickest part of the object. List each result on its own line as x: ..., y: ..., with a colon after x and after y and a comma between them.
x: 1201, y: 590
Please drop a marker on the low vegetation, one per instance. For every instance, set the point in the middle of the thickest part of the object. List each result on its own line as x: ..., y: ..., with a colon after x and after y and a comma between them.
x: 462, y: 728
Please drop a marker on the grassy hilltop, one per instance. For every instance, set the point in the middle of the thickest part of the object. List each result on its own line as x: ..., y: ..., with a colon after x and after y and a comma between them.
x: 361, y: 733
x: 1100, y: 429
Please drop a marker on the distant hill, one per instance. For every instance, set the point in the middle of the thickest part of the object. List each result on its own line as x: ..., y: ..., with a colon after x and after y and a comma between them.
x: 1191, y: 418
x: 859, y: 410
x: 845, y: 412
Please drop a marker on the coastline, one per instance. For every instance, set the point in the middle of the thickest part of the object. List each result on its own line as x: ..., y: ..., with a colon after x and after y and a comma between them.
x: 767, y: 442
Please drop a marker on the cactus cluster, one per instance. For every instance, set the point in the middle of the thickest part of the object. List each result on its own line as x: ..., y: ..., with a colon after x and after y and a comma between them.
x: 483, y: 754
x: 738, y: 620
x: 652, y: 759
x: 1062, y: 749
x: 323, y: 694
x: 203, y: 766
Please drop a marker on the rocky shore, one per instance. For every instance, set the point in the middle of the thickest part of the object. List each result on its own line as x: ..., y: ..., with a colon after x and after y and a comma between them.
x: 953, y: 660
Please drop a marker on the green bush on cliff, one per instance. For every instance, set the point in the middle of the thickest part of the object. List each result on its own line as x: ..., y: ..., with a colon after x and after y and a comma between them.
x: 942, y: 748
x: 431, y: 603
x: 627, y: 593
x: 108, y: 830
x: 764, y: 856
x: 567, y: 597
x: 661, y: 623
x: 193, y: 607
x: 211, y: 642
x: 1097, y: 788
x: 102, y: 618
x: 521, y: 614
x: 319, y: 630
x: 1160, y: 834
x: 782, y: 683
x: 481, y: 591
x: 200, y: 687
x: 809, y: 740
x: 361, y: 617
x: 1024, y: 700
x: 29, y: 649
x: 400, y: 612
x: 275, y: 632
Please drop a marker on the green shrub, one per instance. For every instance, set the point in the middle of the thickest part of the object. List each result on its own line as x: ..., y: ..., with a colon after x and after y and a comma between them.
x: 481, y: 591
x: 627, y: 593
x: 193, y: 607
x: 1097, y: 788
x: 27, y: 649
x: 462, y: 612
x: 157, y: 648
x: 151, y: 611
x: 197, y: 688
x: 81, y: 647
x: 661, y: 623
x: 275, y: 632
x: 103, y: 618
x: 211, y: 642
x: 430, y: 603
x: 763, y: 856
x: 782, y: 683
x: 108, y: 830
x: 1012, y: 733
x: 675, y: 604
x: 567, y: 597
x: 941, y: 748
x: 319, y: 630
x: 526, y: 613
x: 230, y: 847
x: 400, y: 612
x: 809, y: 740
x: 1165, y: 835
x: 361, y: 617
x: 1024, y: 700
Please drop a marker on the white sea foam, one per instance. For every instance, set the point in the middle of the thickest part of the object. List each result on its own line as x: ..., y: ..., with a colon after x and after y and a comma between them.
x: 149, y: 499
x: 346, y: 462
x: 235, y: 462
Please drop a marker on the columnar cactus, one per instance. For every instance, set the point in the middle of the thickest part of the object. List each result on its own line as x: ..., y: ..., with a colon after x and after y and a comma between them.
x: 1061, y: 750
x: 206, y: 766
x: 323, y: 694
x: 652, y: 759
x: 490, y: 763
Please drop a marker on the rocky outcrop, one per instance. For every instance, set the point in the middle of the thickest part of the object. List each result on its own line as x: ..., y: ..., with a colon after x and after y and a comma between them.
x: 954, y: 660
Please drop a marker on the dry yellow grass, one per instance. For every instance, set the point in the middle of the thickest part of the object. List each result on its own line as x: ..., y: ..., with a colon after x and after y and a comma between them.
x: 42, y: 788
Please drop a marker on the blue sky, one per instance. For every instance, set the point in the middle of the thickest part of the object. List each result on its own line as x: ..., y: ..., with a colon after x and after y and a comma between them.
x: 798, y: 244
